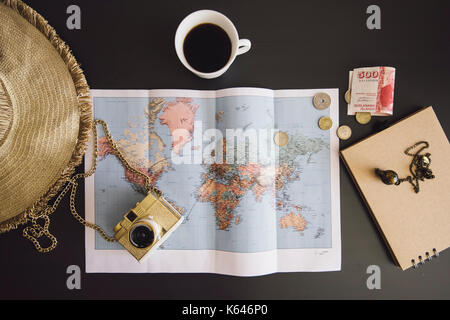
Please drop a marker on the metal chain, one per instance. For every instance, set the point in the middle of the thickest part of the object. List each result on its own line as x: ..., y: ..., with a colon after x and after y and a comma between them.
x: 414, y: 179
x: 37, y: 230
x: 426, y: 145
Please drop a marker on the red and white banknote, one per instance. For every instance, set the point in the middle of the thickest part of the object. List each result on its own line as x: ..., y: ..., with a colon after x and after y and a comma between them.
x: 372, y: 90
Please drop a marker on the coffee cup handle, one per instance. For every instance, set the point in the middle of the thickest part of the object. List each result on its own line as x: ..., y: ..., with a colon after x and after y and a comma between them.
x: 243, y: 46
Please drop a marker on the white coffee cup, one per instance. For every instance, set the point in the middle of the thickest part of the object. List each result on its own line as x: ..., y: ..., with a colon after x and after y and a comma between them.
x: 238, y: 46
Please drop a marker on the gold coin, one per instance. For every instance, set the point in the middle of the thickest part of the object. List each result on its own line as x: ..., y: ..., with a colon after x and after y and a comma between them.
x: 281, y: 138
x: 344, y: 132
x: 321, y: 100
x: 348, y: 96
x: 363, y: 117
x: 325, y: 123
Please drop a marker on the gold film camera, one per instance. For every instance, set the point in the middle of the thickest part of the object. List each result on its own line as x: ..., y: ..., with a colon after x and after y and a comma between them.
x: 145, y: 227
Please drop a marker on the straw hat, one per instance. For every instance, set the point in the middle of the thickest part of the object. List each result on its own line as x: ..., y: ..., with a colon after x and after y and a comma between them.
x: 45, y: 113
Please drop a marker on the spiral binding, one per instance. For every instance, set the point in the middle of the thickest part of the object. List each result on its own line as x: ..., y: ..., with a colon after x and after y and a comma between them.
x: 427, y: 258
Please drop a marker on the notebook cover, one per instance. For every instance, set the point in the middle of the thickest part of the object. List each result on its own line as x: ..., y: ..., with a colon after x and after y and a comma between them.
x: 411, y: 223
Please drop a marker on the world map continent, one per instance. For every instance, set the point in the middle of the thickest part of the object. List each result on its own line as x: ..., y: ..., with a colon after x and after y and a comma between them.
x: 223, y: 185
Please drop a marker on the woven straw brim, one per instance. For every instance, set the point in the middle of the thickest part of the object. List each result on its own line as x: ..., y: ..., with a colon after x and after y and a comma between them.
x: 46, y: 113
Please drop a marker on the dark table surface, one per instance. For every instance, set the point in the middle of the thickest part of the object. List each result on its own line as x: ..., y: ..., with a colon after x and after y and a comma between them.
x: 296, y: 44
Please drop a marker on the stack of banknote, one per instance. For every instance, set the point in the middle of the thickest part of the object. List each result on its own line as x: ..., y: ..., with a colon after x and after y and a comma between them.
x: 371, y: 90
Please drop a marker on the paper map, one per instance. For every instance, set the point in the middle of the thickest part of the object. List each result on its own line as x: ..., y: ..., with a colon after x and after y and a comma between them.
x: 251, y: 207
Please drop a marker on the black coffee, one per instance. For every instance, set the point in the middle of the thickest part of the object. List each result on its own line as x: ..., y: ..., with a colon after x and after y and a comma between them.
x: 207, y: 48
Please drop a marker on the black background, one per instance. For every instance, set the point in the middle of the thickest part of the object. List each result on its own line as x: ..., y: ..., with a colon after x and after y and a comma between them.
x: 296, y: 44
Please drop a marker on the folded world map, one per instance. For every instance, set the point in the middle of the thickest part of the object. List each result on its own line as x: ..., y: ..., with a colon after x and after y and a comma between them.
x: 251, y: 205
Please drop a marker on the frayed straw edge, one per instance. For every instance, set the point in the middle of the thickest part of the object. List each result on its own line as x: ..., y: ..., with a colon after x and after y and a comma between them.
x: 84, y: 104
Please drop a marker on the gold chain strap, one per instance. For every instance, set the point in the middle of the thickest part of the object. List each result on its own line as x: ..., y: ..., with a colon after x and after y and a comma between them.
x: 37, y: 230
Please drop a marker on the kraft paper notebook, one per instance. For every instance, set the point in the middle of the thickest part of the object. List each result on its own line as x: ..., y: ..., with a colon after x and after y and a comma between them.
x: 416, y: 226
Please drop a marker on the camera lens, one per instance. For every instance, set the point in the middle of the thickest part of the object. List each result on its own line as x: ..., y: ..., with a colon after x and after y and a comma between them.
x: 142, y: 236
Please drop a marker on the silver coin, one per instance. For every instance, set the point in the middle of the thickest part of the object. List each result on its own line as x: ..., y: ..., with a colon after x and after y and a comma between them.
x: 321, y: 100
x: 344, y: 132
